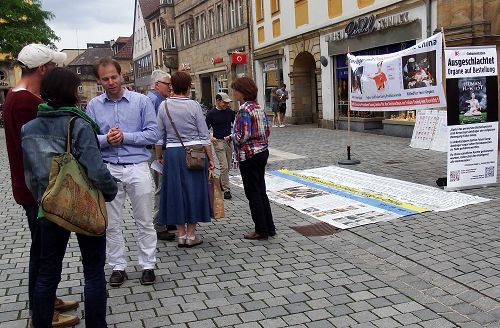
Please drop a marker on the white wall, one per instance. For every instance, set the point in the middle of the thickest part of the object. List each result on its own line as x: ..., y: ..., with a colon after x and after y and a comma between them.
x: 142, y: 46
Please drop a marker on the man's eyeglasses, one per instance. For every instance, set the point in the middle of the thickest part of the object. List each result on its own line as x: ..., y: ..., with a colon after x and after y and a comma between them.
x: 166, y: 83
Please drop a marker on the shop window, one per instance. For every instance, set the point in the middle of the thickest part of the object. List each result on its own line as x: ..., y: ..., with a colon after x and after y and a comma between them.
x: 301, y: 12
x: 260, y: 34
x: 273, y: 75
x: 275, y: 7
x: 276, y: 28
x: 365, y: 3
x: 259, y: 10
x: 334, y: 8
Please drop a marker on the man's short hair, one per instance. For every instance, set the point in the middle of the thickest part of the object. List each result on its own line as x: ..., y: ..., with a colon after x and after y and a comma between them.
x: 105, y: 62
x: 158, y: 75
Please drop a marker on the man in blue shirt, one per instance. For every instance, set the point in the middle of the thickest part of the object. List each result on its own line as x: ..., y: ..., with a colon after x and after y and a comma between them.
x: 160, y: 90
x: 128, y: 124
x: 220, y: 119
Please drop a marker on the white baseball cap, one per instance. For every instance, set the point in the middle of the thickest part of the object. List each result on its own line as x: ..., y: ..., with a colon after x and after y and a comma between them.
x: 34, y: 55
x: 224, y: 96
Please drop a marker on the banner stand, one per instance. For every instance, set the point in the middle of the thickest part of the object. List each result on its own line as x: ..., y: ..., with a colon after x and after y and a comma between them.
x: 349, y: 161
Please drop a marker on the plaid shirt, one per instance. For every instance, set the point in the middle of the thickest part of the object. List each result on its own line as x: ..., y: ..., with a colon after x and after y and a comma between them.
x: 251, y: 130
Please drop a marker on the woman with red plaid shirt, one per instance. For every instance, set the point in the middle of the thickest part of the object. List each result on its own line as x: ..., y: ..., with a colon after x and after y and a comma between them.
x: 250, y: 138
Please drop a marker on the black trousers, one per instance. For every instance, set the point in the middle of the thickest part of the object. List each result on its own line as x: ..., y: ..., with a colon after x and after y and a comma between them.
x: 252, y: 173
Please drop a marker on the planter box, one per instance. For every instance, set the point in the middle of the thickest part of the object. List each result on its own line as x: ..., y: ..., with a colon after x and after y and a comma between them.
x: 360, y: 124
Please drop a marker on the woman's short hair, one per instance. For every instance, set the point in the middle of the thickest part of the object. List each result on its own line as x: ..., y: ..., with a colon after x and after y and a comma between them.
x: 60, y: 87
x: 247, y: 87
x: 181, y: 82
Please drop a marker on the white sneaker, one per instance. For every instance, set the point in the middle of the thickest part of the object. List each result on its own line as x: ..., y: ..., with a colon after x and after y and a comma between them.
x: 275, y: 126
x: 282, y: 125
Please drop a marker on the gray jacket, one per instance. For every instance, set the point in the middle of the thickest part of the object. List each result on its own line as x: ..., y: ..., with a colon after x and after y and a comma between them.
x: 45, y: 136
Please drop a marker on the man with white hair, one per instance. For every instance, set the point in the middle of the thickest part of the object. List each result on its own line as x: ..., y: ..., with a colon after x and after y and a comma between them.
x: 160, y: 90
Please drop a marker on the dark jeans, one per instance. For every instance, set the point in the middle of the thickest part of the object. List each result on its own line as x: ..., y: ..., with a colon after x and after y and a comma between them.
x: 252, y: 173
x: 31, y: 214
x: 53, y: 242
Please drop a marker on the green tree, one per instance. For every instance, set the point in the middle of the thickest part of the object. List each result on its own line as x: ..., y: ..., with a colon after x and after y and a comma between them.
x: 23, y: 22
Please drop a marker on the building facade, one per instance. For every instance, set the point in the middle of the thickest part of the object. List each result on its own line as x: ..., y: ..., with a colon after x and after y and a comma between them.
x: 143, y: 65
x: 212, y: 44
x: 304, y: 44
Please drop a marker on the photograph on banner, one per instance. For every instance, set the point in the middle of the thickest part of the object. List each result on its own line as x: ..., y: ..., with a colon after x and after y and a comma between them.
x: 406, y: 80
x: 472, y: 115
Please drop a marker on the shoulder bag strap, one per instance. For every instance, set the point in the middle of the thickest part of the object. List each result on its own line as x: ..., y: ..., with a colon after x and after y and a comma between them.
x: 173, y: 125
x: 68, y: 134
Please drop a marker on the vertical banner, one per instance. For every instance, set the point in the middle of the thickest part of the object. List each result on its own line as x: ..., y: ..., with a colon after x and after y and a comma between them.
x: 405, y: 80
x: 472, y: 103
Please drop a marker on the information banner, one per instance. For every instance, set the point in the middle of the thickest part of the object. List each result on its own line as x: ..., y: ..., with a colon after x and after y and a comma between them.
x: 472, y: 92
x: 405, y: 80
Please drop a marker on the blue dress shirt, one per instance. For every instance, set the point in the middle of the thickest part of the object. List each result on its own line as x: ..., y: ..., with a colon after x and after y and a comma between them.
x: 156, y: 98
x: 134, y: 114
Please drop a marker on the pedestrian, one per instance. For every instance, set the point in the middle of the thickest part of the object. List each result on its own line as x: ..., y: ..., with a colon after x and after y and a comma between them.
x: 184, y: 193
x: 220, y: 118
x: 160, y: 90
x: 282, y: 94
x: 275, y: 104
x: 128, y: 124
x: 250, y: 137
x: 20, y: 107
x: 42, y: 138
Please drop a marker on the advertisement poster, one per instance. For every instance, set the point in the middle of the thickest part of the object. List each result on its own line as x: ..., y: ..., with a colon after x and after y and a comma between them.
x: 346, y: 198
x: 472, y: 92
x: 406, y: 80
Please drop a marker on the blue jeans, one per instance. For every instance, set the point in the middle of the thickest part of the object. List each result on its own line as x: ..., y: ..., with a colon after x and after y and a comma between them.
x: 31, y: 213
x: 53, y: 242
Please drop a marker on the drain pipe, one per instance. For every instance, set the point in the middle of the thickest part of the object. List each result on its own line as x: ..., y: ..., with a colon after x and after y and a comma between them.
x: 428, y: 11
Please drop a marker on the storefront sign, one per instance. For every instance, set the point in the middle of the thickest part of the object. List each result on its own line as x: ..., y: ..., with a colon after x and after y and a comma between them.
x: 270, y: 66
x: 238, y: 59
x: 472, y: 94
x: 360, y: 26
x: 217, y: 60
x: 369, y: 24
x: 239, y: 49
x: 184, y: 67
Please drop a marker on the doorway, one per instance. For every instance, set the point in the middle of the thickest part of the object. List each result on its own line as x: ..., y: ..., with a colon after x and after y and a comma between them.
x: 305, y: 95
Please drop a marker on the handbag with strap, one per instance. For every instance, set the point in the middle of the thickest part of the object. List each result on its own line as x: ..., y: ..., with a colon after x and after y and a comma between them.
x: 195, y: 154
x: 71, y: 200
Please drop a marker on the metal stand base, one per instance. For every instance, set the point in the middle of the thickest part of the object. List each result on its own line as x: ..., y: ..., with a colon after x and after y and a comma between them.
x: 349, y: 161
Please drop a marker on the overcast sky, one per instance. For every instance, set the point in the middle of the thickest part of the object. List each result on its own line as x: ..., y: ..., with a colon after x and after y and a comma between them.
x: 77, y: 23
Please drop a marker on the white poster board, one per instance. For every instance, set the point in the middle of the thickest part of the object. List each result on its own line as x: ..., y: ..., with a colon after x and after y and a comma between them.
x: 430, y: 131
x: 472, y: 91
x: 405, y: 80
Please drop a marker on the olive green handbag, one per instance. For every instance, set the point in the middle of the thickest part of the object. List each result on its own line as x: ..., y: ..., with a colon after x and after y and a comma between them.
x: 71, y: 200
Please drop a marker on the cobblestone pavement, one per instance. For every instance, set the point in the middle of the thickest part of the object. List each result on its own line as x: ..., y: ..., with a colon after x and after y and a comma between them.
x: 434, y: 270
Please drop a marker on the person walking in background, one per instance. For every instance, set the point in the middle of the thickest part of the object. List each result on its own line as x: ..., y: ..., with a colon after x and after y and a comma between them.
x: 20, y: 107
x: 282, y: 94
x: 42, y: 138
x: 275, y: 104
x: 184, y: 193
x: 128, y: 124
x: 220, y: 118
x: 250, y: 137
x: 160, y: 90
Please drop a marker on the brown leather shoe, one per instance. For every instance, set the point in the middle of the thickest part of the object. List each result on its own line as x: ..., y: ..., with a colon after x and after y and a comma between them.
x: 63, y: 306
x: 64, y: 320
x: 255, y: 236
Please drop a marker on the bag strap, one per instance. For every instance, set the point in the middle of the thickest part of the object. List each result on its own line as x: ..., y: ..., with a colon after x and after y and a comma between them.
x: 173, y: 125
x: 68, y: 134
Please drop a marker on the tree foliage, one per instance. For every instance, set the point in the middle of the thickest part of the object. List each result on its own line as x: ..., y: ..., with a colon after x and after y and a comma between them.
x: 23, y: 22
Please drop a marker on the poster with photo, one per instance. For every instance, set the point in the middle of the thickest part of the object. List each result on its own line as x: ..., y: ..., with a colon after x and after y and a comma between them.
x: 406, y: 80
x: 472, y: 115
